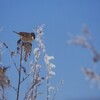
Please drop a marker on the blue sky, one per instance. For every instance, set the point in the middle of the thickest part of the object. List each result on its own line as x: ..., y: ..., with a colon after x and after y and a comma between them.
x: 60, y: 18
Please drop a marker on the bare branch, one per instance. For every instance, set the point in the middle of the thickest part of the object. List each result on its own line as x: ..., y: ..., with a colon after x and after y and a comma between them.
x: 19, y: 76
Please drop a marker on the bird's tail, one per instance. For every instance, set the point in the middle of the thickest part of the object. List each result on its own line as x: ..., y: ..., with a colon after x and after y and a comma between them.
x: 16, y: 32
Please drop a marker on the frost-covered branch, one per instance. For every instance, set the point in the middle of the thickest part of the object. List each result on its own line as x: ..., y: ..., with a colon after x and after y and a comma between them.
x: 85, y: 40
x: 41, y: 61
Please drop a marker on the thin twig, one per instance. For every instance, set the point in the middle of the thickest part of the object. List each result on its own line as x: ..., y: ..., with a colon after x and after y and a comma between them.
x: 31, y: 71
x: 56, y: 89
x: 19, y: 76
x: 26, y: 77
x: 3, y: 94
x: 28, y: 91
x: 33, y: 86
x: 48, y: 89
x: 14, y: 63
x: 13, y: 88
x: 10, y: 55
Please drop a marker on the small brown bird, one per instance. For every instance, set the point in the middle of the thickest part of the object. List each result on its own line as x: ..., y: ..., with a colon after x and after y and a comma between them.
x: 26, y: 36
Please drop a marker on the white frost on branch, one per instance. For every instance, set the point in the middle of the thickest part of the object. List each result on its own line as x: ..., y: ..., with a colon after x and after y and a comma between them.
x: 49, y: 65
x: 79, y: 40
x: 31, y: 66
x: 35, y: 67
x: 51, y: 88
x: 48, y: 58
x: 1, y: 52
x: 36, y: 53
x: 39, y: 31
x: 51, y: 74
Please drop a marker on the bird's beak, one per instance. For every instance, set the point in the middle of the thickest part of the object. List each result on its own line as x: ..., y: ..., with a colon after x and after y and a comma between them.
x: 32, y: 37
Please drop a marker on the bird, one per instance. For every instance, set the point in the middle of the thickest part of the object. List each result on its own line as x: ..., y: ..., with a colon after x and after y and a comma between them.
x: 26, y: 36
x: 25, y: 43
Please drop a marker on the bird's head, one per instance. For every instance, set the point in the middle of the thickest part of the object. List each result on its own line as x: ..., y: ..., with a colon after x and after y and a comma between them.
x: 33, y: 35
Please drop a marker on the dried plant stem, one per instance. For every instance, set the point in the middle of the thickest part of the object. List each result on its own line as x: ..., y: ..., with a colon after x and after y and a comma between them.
x: 31, y: 71
x: 32, y: 91
x: 13, y: 88
x: 35, y: 93
x: 31, y: 94
x: 56, y: 89
x: 10, y: 55
x: 35, y: 77
x: 26, y: 77
x: 14, y: 63
x: 3, y: 94
x: 19, y: 76
x: 29, y: 90
x: 34, y: 87
x: 26, y: 95
x: 54, y: 95
x: 48, y: 93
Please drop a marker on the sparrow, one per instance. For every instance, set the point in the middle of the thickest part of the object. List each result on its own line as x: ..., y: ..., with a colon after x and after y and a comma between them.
x: 26, y: 36
x: 25, y: 43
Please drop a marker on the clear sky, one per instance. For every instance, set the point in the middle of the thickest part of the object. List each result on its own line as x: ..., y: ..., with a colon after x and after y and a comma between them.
x: 60, y: 18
